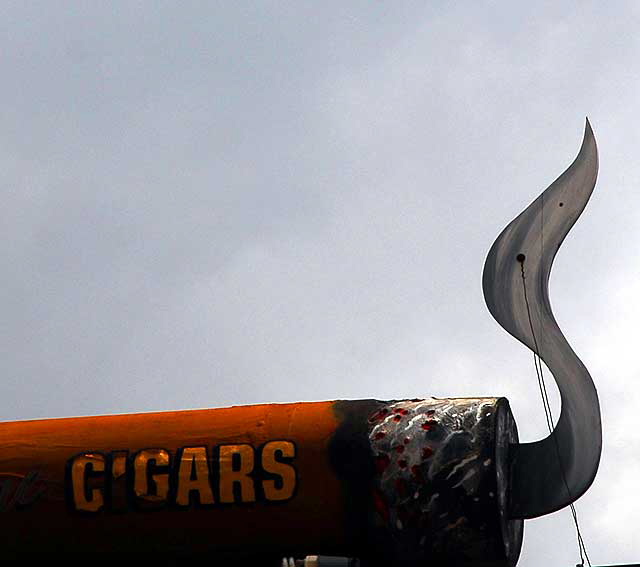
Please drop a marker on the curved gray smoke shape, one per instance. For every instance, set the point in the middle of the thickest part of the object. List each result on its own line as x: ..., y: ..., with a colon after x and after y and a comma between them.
x: 540, y: 484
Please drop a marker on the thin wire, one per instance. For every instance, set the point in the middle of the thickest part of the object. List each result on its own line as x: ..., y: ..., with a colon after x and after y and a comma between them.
x: 574, y: 513
x: 537, y: 361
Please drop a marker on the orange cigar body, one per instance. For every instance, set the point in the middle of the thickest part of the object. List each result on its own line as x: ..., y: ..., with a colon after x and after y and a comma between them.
x: 222, y: 480
x: 405, y: 482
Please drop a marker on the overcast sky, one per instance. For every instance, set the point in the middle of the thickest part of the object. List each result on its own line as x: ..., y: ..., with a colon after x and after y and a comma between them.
x: 209, y: 204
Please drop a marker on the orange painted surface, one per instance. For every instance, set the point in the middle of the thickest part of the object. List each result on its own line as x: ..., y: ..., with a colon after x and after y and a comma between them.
x: 292, y: 499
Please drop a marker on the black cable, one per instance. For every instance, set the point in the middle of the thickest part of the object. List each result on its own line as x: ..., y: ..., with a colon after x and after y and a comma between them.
x: 537, y: 361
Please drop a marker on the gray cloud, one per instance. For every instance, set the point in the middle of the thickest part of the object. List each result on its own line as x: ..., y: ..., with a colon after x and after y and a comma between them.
x: 216, y: 204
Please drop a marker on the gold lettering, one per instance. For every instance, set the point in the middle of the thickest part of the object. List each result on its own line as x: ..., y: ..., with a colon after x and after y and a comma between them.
x: 151, y: 487
x: 85, y: 498
x: 285, y: 471
x: 231, y: 475
x: 119, y: 464
x: 193, y: 475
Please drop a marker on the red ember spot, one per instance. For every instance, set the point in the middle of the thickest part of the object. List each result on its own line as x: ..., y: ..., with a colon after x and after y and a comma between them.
x: 429, y: 425
x: 401, y: 487
x: 381, y: 505
x: 404, y: 411
x: 402, y: 463
x: 382, y: 462
x: 379, y: 435
x: 417, y: 474
x: 400, y: 449
x: 427, y: 452
x: 397, y: 417
x: 407, y: 440
x: 379, y: 415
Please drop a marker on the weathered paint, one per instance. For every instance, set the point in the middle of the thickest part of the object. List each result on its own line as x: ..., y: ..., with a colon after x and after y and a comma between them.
x: 441, y: 483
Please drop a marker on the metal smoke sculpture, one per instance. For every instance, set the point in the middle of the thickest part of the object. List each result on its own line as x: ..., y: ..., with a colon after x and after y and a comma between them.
x: 411, y: 482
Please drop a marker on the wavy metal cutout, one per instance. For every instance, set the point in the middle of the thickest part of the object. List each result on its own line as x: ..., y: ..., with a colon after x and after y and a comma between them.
x: 552, y: 473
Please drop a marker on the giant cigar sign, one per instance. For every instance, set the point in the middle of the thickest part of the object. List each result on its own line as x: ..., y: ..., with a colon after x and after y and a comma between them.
x: 403, y: 482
